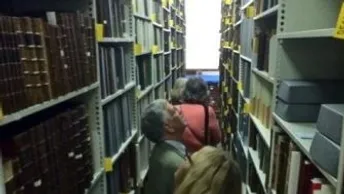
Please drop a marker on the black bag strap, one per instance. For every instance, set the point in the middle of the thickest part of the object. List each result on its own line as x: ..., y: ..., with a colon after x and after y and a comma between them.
x: 207, y: 135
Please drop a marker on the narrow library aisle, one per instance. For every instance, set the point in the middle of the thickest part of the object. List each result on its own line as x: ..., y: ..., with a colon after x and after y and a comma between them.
x: 76, y: 75
x: 281, y: 83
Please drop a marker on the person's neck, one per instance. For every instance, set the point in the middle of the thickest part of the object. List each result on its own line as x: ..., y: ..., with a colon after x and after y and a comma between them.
x: 173, y: 138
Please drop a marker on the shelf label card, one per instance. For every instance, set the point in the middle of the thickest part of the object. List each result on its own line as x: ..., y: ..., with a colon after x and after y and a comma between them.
x: 229, y: 101
x: 108, y: 165
x: 155, y: 49
x: 171, y: 23
x: 164, y: 3
x: 247, y: 108
x: 250, y: 12
x: 229, y: 130
x: 339, y: 31
x: 228, y: 21
x: 170, y: 2
x: 153, y: 17
x: 1, y: 112
x: 228, y: 2
x: 239, y: 48
x: 226, y: 44
x: 239, y: 86
x: 99, y: 32
x: 137, y: 49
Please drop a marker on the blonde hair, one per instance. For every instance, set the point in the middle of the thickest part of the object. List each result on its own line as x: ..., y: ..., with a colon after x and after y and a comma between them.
x: 178, y: 89
x: 211, y: 172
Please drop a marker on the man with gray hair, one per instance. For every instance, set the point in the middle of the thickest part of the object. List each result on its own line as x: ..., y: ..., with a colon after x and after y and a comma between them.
x: 162, y: 124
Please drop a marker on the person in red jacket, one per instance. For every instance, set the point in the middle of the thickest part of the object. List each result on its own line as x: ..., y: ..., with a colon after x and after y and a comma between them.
x: 198, y: 114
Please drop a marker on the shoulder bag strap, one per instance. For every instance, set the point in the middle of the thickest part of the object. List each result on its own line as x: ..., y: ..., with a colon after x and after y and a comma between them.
x: 207, y: 141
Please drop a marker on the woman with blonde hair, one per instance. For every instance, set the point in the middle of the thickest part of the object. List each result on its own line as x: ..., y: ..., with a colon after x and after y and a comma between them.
x: 208, y: 171
x: 177, y: 91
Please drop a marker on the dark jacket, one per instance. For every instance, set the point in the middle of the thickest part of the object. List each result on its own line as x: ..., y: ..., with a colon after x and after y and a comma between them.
x: 163, y: 163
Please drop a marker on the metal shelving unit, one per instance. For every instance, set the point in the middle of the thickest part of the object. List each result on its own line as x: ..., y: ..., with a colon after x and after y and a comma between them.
x: 297, y: 37
x: 129, y: 35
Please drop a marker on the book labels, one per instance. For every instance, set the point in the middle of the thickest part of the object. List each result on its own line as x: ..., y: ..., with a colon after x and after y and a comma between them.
x: 155, y: 49
x: 1, y: 112
x: 239, y: 86
x: 108, y: 165
x: 228, y: 2
x: 137, y: 49
x: 153, y: 17
x: 247, y: 108
x: 250, y: 12
x: 99, y: 32
x: 339, y: 31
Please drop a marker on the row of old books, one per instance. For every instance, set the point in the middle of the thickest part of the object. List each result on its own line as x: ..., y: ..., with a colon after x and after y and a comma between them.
x: 143, y: 32
x: 51, y: 153
x: 123, y: 177
x: 142, y: 8
x: 263, y: 5
x: 43, y: 58
x: 115, y: 16
x: 159, y: 67
x: 293, y: 172
x: 118, y: 121
x: 157, y: 11
x: 158, y: 38
x: 261, y: 47
x: 144, y: 72
x: 114, y: 69
x: 167, y: 63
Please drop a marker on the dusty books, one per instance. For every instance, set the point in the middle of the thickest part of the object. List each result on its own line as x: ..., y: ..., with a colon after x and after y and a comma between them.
x: 40, y: 61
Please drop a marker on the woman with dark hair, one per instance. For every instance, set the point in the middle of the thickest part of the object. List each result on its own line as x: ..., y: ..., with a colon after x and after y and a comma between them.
x: 202, y: 126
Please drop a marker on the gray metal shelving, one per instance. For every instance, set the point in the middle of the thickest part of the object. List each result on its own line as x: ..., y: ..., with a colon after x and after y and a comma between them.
x: 300, y: 35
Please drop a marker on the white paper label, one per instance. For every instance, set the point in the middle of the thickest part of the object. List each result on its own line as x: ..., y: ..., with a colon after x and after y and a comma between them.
x: 70, y: 154
x: 79, y: 156
x: 37, y: 183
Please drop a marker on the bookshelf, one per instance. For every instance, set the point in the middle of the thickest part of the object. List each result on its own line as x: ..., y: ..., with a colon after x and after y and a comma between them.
x: 264, y: 43
x: 84, y: 71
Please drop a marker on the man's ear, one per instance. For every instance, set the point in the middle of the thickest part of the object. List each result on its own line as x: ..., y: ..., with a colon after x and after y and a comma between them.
x: 168, y: 128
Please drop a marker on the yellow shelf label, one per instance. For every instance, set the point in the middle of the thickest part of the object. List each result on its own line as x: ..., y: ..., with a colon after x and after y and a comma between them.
x: 108, y: 165
x: 1, y: 112
x: 171, y: 2
x: 171, y: 23
x: 229, y: 130
x: 153, y: 17
x: 239, y: 48
x: 164, y: 3
x: 225, y: 89
x: 229, y: 101
x: 228, y: 2
x: 137, y: 49
x: 228, y: 21
x: 99, y: 32
x: 339, y: 31
x: 232, y: 45
x: 250, y: 12
x: 155, y: 49
x: 239, y: 86
x: 247, y: 108
x: 226, y: 44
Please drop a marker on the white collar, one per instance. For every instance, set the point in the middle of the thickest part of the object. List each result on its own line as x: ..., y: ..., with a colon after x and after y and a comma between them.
x: 178, y: 145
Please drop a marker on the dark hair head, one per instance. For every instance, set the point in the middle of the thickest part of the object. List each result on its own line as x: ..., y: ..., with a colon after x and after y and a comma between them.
x: 196, y: 91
